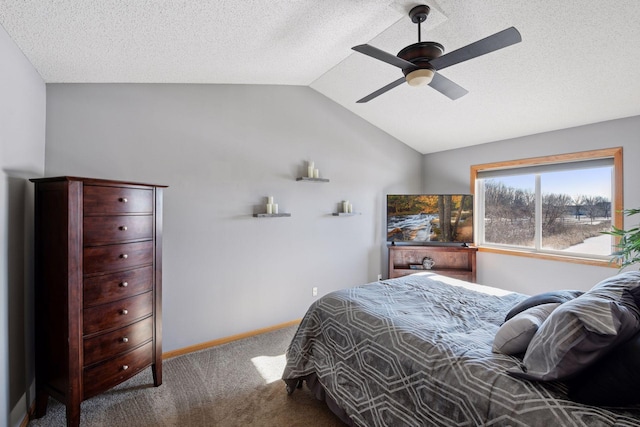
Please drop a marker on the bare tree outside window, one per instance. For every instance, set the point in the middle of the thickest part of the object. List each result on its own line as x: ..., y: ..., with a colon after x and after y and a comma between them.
x: 566, y: 222
x: 551, y: 206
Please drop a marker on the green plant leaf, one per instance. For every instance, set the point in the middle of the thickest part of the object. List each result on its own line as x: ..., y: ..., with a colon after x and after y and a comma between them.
x: 628, y: 252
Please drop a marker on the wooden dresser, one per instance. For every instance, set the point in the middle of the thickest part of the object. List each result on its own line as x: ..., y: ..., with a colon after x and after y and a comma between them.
x: 453, y: 261
x: 98, y: 276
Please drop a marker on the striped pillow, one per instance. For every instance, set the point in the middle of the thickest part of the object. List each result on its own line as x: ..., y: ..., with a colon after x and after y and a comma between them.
x: 581, y: 331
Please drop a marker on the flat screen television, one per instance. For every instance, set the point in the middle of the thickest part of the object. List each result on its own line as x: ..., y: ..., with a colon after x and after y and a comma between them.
x: 430, y: 218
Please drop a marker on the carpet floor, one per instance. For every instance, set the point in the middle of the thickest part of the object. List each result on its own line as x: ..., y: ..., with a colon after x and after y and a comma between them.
x: 234, y: 384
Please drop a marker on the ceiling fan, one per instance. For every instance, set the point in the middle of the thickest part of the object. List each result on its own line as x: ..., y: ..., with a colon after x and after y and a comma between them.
x: 420, y: 62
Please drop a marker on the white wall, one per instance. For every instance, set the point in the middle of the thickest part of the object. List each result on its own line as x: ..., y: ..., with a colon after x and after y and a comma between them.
x: 448, y: 171
x: 222, y: 149
x: 22, y: 127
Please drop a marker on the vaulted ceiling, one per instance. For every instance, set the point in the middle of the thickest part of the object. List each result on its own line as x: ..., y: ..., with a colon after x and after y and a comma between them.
x: 577, y: 62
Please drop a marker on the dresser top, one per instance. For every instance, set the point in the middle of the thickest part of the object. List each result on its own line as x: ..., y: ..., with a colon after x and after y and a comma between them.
x: 92, y: 181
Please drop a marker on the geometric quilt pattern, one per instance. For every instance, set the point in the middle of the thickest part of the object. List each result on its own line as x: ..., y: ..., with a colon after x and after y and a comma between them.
x: 416, y: 351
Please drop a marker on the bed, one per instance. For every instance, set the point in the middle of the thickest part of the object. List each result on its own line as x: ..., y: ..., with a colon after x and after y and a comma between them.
x: 417, y: 351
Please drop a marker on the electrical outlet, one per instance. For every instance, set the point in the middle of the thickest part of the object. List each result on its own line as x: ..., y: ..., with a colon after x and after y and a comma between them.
x: 314, y: 291
x: 379, y: 276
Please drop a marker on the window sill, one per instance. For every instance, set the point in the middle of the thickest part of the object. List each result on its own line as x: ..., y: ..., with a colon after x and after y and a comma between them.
x: 549, y: 257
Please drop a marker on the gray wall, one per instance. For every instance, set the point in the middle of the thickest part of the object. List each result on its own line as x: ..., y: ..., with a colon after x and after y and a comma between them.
x: 223, y: 149
x: 448, y: 171
x: 22, y: 127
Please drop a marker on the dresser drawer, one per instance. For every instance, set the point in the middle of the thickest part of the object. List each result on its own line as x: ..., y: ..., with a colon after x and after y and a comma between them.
x: 110, y: 200
x: 99, y: 259
x: 113, y: 229
x: 103, y: 376
x: 108, y: 345
x: 115, y: 286
x: 117, y: 314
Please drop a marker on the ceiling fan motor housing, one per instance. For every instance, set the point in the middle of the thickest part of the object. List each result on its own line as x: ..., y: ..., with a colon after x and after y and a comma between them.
x: 419, y: 54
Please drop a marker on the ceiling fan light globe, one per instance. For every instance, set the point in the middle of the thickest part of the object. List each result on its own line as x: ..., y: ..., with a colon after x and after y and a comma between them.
x: 421, y: 77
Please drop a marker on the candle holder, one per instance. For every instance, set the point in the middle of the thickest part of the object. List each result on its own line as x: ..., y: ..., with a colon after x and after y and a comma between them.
x: 313, y: 174
x: 272, y: 210
x: 345, y: 209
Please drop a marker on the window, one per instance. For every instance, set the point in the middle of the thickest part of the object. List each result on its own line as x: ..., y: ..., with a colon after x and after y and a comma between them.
x: 551, y: 207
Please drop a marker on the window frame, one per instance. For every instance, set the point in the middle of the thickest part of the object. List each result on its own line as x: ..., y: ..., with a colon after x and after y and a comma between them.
x: 617, y: 207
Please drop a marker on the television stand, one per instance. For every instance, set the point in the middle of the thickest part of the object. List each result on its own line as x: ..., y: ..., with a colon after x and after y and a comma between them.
x: 458, y: 262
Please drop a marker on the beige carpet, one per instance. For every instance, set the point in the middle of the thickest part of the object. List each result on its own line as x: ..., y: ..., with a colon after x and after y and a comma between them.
x: 235, y: 384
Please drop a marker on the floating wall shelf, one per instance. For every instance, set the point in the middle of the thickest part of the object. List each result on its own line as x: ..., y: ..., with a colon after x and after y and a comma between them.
x: 305, y: 178
x: 266, y: 215
x: 345, y: 213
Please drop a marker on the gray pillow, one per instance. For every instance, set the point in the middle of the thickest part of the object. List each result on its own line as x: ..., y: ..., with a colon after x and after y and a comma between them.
x: 514, y: 335
x: 543, y: 298
x: 582, y: 330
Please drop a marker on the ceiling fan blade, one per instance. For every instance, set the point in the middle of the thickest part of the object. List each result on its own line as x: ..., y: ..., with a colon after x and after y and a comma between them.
x: 489, y: 44
x: 382, y: 90
x: 381, y: 55
x: 447, y: 87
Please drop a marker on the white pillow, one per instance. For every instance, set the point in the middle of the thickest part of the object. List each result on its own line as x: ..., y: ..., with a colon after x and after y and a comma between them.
x: 514, y: 335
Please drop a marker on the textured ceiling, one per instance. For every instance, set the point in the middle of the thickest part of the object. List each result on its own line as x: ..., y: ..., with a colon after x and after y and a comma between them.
x: 577, y: 63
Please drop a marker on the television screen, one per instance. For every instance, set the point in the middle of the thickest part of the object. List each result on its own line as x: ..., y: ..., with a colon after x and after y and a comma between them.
x: 424, y: 218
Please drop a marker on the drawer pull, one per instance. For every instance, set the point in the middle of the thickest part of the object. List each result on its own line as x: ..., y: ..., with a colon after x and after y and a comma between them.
x: 125, y: 367
x: 124, y: 284
x: 123, y: 227
x: 125, y: 339
x: 124, y: 256
x: 124, y: 312
x: 123, y: 199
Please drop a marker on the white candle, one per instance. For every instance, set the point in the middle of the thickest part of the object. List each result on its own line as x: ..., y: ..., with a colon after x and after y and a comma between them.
x: 269, y: 208
x: 310, y: 169
x: 345, y: 206
x: 316, y: 173
x: 270, y: 199
x: 350, y: 208
x: 275, y: 208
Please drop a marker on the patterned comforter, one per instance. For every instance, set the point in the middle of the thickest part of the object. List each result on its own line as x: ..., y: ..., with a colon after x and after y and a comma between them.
x: 416, y: 351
